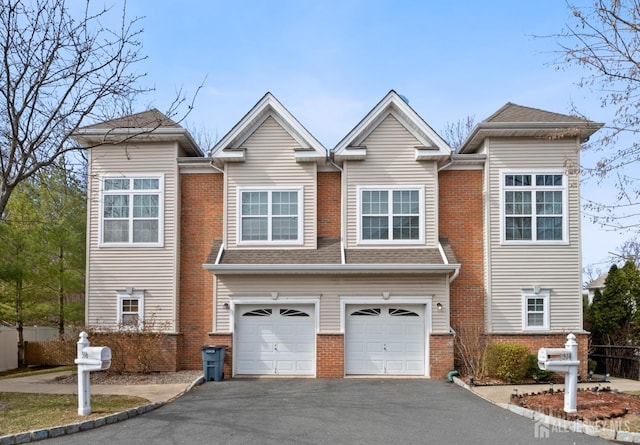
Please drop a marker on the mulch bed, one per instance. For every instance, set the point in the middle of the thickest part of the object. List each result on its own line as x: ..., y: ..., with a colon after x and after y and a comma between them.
x: 594, y: 404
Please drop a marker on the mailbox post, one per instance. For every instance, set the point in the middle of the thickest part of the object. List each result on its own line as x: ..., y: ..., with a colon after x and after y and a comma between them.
x: 89, y: 359
x: 566, y: 361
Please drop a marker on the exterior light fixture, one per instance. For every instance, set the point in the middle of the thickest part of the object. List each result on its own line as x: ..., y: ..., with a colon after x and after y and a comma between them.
x: 439, y: 306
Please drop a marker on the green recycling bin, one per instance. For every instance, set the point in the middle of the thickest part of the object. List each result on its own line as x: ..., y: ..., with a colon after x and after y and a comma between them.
x: 213, y: 362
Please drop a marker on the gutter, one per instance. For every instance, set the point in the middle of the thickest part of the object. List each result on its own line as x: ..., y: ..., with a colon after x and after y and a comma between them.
x: 456, y: 270
x: 330, y: 268
x: 343, y: 258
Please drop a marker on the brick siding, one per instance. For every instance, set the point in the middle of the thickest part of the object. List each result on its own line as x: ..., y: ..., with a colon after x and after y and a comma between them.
x: 200, y: 225
x: 440, y: 355
x: 329, y: 204
x: 462, y: 189
x: 330, y: 356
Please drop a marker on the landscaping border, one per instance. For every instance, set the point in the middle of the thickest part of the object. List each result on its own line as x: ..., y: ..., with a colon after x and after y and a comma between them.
x: 62, y: 430
x: 556, y: 424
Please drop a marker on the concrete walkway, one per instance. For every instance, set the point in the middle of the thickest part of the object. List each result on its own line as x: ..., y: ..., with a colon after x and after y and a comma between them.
x: 502, y: 393
x: 43, y: 384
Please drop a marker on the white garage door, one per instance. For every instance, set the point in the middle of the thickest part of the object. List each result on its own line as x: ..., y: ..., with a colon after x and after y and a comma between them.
x: 385, y: 340
x: 275, y: 340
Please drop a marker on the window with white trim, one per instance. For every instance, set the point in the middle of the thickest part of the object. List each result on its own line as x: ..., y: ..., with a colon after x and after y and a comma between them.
x: 534, y: 207
x: 391, y: 214
x: 270, y: 216
x: 132, y: 211
x: 535, y: 310
x: 130, y: 309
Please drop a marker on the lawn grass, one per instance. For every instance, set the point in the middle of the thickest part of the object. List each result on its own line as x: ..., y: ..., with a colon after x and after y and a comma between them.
x: 24, y: 372
x: 20, y: 412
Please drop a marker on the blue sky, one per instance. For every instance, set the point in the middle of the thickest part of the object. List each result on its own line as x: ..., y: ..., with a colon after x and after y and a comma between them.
x: 329, y: 62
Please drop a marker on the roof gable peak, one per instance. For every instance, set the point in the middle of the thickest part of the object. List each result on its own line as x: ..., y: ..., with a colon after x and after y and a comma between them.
x: 229, y: 147
x: 433, y: 146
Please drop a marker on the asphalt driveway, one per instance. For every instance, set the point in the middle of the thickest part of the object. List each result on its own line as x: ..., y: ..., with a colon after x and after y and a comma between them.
x: 318, y: 411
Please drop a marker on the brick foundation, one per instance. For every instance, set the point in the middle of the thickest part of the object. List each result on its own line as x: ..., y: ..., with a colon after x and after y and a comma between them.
x: 330, y: 356
x: 225, y: 339
x: 537, y: 341
x: 440, y: 355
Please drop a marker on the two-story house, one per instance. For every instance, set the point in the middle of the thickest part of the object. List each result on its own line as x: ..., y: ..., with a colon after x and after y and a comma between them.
x: 361, y: 260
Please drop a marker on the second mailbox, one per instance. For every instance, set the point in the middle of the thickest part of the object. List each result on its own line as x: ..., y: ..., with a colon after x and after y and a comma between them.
x: 555, y: 359
x: 95, y: 358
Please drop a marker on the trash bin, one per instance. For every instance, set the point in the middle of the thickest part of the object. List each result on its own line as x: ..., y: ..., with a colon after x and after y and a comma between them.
x: 213, y: 362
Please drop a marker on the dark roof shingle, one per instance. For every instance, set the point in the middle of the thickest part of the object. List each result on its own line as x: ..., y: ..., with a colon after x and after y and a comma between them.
x: 146, y: 119
x: 513, y: 113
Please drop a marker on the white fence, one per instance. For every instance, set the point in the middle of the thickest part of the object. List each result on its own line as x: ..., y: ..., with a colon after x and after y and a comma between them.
x: 9, y: 342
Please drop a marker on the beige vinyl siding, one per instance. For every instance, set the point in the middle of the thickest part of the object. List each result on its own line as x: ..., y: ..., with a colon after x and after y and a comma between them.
x: 270, y: 162
x: 512, y: 268
x: 391, y: 161
x: 329, y: 289
x: 153, y: 269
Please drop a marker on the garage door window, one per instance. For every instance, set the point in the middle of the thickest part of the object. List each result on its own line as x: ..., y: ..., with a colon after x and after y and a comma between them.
x: 258, y: 313
x: 366, y: 312
x: 395, y: 312
x: 292, y: 313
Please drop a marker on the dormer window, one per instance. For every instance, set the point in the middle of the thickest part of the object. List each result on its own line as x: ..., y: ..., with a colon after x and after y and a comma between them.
x: 270, y: 215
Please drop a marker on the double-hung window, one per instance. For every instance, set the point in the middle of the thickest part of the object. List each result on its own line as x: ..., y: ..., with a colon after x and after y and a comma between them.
x: 535, y: 310
x: 534, y: 207
x: 131, y: 212
x: 270, y: 216
x: 130, y: 309
x: 391, y: 214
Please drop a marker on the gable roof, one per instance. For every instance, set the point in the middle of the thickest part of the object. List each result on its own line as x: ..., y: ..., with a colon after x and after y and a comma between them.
x: 150, y: 125
x: 514, y: 120
x: 598, y: 283
x: 228, y: 148
x: 147, y: 119
x: 433, y: 146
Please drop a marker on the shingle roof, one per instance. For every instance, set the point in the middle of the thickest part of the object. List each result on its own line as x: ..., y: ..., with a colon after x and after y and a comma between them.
x: 511, y: 112
x: 146, y: 119
x: 393, y: 256
x: 598, y: 283
x: 328, y: 252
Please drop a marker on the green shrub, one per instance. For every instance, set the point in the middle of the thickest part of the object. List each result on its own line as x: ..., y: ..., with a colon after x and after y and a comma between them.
x: 507, y: 361
x: 535, y: 372
x: 592, y: 365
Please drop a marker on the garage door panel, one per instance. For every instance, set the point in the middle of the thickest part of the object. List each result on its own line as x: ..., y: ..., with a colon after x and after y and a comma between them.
x: 304, y: 347
x: 414, y: 347
x: 415, y: 366
x: 304, y: 366
x: 385, y: 340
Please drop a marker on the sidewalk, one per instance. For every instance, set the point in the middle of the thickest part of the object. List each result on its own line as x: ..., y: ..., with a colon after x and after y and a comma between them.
x: 41, y: 384
x: 502, y: 393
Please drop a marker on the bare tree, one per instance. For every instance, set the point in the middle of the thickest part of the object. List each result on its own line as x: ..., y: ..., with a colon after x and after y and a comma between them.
x: 604, y: 39
x: 60, y: 68
x: 456, y: 132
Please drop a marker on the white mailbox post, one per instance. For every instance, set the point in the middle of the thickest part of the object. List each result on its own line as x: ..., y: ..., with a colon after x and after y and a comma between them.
x: 89, y: 359
x: 566, y: 361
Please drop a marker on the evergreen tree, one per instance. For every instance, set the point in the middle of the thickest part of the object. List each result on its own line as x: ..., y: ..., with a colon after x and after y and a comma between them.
x: 43, y: 257
x: 615, y: 313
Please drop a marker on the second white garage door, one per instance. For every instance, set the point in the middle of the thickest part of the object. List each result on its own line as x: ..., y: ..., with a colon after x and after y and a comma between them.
x: 275, y: 340
x: 385, y: 340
